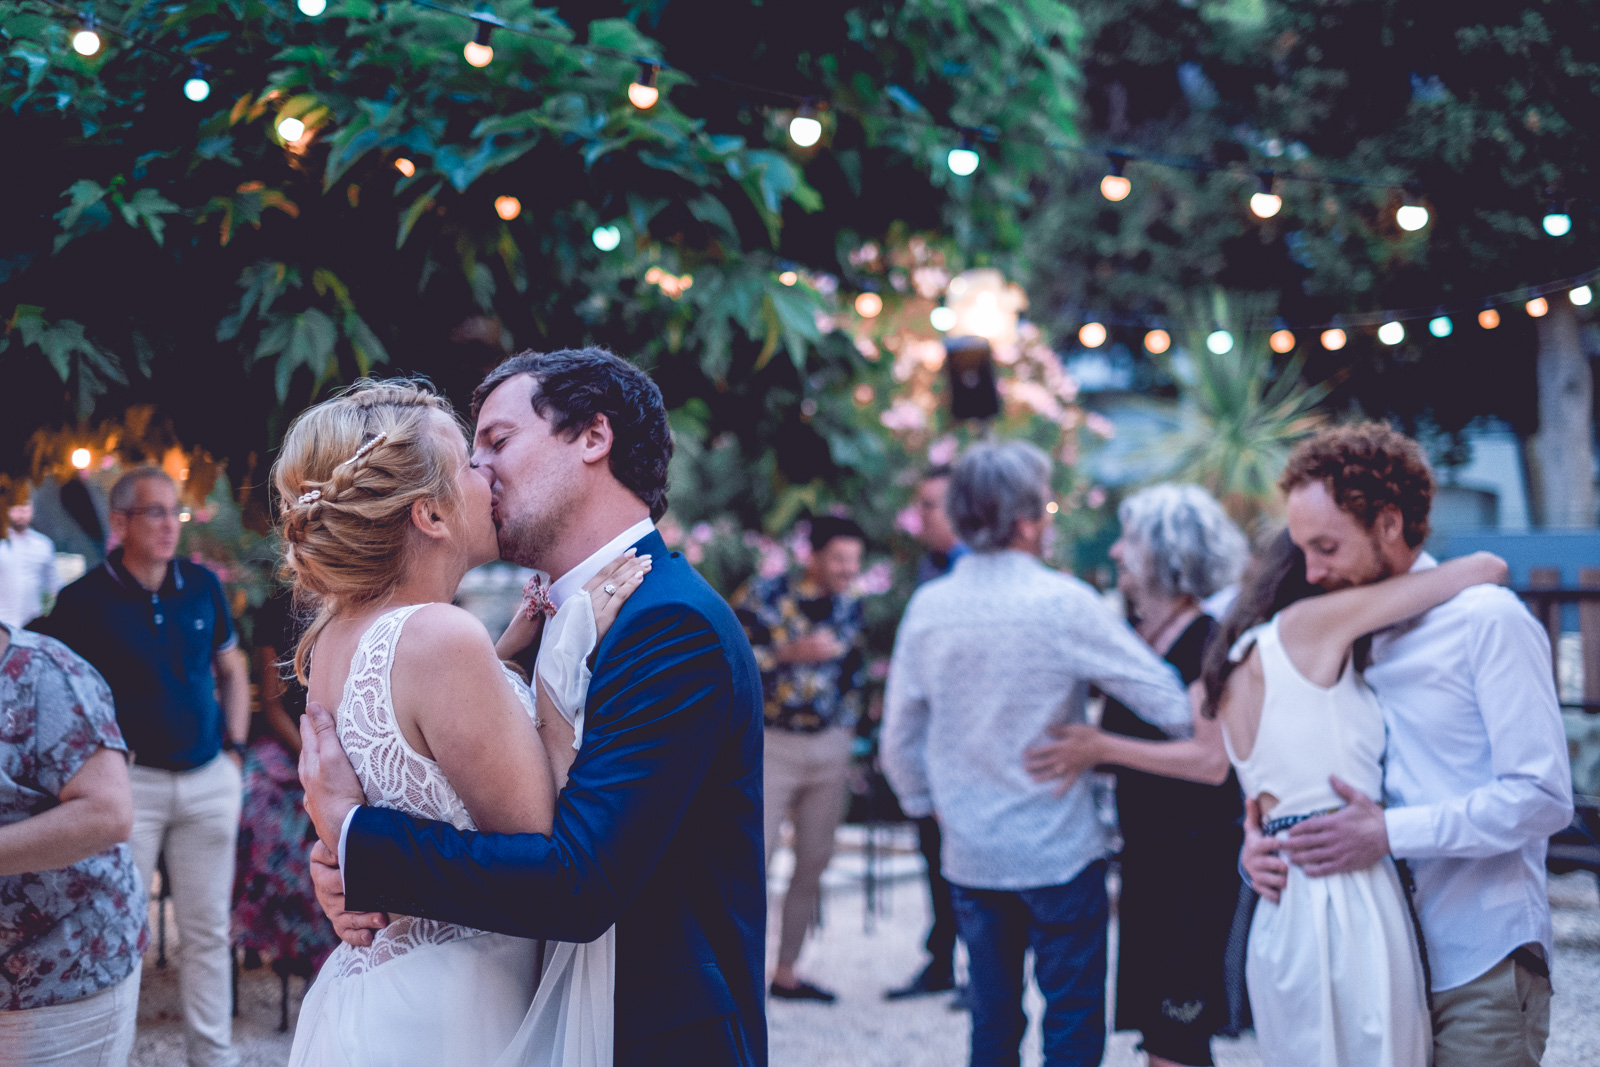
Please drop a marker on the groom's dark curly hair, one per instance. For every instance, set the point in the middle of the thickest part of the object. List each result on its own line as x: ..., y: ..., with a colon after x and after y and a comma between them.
x: 577, y: 384
x: 1368, y: 467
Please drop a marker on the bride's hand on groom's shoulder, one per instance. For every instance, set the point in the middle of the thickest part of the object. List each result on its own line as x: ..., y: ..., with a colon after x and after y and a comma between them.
x: 612, y: 587
x: 353, y: 927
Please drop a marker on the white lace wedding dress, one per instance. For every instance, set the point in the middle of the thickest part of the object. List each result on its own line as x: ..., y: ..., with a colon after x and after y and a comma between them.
x: 428, y: 992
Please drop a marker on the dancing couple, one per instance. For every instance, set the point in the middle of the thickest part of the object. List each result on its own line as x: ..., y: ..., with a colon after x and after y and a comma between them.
x: 566, y: 873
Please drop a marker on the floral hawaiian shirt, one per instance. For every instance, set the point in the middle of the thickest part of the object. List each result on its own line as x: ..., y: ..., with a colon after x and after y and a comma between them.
x: 804, y: 697
x: 64, y: 934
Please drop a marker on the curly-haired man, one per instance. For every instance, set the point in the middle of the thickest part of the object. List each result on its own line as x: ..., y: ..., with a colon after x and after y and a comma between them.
x: 1476, y: 775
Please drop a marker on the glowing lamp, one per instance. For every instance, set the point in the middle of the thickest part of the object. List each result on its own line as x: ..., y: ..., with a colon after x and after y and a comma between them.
x: 86, y: 42
x: 1391, y: 333
x: 805, y: 129
x: 1333, y: 340
x: 1488, y: 318
x: 1441, y: 326
x: 405, y: 166
x: 1157, y: 341
x: 1115, y: 187
x: 80, y: 458
x: 1092, y: 335
x: 1219, y: 342
x: 1581, y: 296
x: 869, y: 305
x: 312, y: 8
x: 291, y: 129
x: 789, y: 277
x: 1411, y: 217
x: 478, y: 51
x: 642, y: 92
x: 1538, y: 307
x: 1281, y: 342
x: 1558, y: 224
x: 507, y: 207
x: 606, y: 238
x: 197, y: 88
x: 962, y: 161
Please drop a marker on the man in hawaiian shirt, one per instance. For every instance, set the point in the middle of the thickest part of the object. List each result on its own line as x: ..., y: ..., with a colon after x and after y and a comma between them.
x: 806, y: 633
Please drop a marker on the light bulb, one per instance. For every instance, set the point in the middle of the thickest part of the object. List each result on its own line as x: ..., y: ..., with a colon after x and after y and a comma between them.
x: 1411, y: 217
x: 942, y: 319
x: 313, y: 8
x: 1333, y: 340
x: 1093, y: 335
x: 805, y: 131
x: 606, y: 238
x: 1488, y: 318
x: 507, y: 207
x: 642, y: 92
x: 868, y: 305
x: 479, y: 55
x: 1557, y: 224
x: 1538, y: 307
x: 405, y: 166
x: 86, y: 42
x: 789, y: 277
x: 962, y: 161
x: 80, y: 458
x: 1220, y: 342
x: 1441, y: 326
x: 291, y: 129
x: 1391, y: 333
x: 1157, y: 341
x: 1115, y: 187
x: 1266, y: 205
x: 1581, y: 296
x: 197, y: 88
x: 1281, y: 342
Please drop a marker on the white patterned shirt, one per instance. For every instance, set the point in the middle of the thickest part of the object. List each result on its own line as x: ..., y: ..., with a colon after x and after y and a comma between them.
x: 27, y: 575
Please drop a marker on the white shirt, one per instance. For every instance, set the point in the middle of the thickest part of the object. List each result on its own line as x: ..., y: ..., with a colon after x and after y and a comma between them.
x: 988, y: 658
x: 1476, y: 774
x: 27, y: 573
x: 560, y: 589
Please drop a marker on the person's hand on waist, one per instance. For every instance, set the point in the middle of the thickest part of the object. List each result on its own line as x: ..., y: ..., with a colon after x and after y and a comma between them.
x: 330, y: 782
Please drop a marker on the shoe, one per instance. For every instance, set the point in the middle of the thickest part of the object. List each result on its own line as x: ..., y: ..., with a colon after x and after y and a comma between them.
x: 803, y: 991
x: 931, y: 980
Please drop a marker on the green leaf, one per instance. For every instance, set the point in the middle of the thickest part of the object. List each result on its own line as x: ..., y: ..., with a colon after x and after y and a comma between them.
x: 364, y: 343
x: 83, y: 193
x: 414, y: 212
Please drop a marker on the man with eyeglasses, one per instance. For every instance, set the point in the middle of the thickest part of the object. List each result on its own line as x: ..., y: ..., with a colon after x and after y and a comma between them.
x: 159, y: 630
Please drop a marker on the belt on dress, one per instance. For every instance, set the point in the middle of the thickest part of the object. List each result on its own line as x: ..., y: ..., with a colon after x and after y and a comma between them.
x: 1274, y: 827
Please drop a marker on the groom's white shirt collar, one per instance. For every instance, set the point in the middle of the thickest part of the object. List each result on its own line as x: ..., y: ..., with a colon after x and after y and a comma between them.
x: 560, y: 589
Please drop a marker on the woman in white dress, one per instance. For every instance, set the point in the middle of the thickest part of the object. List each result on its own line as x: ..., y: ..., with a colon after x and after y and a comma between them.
x: 381, y: 516
x: 1333, y: 969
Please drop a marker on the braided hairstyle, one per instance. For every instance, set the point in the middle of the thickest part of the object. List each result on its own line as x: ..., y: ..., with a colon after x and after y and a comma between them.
x: 347, y: 475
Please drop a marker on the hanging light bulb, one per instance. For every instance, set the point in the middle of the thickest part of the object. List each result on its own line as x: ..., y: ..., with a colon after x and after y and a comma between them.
x: 291, y: 129
x: 1157, y: 342
x: 81, y: 458
x: 1391, y: 333
x: 1557, y: 223
x: 1538, y: 307
x: 312, y: 8
x: 197, y: 88
x: 1114, y: 186
x: 789, y: 277
x: 1333, y: 340
x: 642, y: 93
x: 942, y: 319
x: 86, y: 41
x: 507, y: 207
x: 869, y: 305
x: 1219, y: 342
x: 1281, y: 342
x: 1092, y: 335
x: 1265, y: 203
x: 405, y: 166
x: 1411, y: 217
x: 1441, y: 326
x: 606, y: 238
x: 963, y: 161
x: 805, y: 129
x: 478, y: 51
x: 1581, y: 296
x: 1488, y: 318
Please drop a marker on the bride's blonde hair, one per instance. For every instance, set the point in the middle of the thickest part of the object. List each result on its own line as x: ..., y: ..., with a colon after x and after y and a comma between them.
x: 347, y: 475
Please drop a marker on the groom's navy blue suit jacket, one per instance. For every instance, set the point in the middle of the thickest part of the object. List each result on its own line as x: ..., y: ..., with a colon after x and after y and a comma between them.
x: 658, y: 831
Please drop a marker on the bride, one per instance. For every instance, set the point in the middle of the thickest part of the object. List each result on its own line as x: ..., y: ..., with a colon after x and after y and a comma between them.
x: 381, y: 516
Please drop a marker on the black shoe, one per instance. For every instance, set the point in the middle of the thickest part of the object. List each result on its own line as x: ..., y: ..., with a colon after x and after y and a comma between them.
x: 933, y: 979
x: 803, y: 991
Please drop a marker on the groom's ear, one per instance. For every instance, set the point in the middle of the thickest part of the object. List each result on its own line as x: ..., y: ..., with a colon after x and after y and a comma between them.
x: 596, y: 440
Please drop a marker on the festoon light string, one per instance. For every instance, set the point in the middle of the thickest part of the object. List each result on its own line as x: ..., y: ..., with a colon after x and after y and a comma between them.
x: 963, y: 159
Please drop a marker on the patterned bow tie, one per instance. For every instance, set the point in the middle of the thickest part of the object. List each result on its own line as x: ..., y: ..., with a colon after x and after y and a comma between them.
x: 536, y: 599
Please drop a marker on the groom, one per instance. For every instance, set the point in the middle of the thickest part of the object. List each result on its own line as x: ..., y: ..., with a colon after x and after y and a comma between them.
x: 1476, y: 776
x: 659, y: 829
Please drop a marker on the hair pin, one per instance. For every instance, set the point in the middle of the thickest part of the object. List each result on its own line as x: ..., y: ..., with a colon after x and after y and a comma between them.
x: 311, y: 497
x: 368, y: 447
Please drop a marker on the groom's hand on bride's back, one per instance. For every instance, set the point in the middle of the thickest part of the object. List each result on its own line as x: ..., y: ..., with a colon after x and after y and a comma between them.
x: 332, y: 788
x: 353, y: 927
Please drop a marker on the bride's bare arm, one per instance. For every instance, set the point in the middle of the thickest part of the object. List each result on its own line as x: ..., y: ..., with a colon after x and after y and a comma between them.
x: 1317, y: 633
x: 1079, y: 747
x: 456, y: 707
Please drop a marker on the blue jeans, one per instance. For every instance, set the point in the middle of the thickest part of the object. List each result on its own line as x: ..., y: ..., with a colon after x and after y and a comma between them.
x: 1065, y: 925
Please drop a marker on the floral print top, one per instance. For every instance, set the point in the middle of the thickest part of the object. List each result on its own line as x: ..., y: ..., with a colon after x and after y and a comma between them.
x: 804, y: 697
x: 69, y: 933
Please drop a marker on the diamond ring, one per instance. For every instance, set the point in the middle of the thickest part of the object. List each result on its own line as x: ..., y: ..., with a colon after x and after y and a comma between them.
x: 610, y: 589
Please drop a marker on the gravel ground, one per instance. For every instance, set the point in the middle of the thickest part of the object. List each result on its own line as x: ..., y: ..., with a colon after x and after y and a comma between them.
x: 858, y: 955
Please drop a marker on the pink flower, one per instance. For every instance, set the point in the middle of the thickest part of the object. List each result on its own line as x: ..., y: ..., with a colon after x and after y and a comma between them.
x: 904, y: 415
x: 878, y: 669
x: 1099, y: 424
x: 694, y: 553
x: 876, y: 579
x: 774, y: 560
x: 1095, y: 497
x: 702, y: 533
x: 909, y: 520
x: 943, y: 451
x: 671, y: 532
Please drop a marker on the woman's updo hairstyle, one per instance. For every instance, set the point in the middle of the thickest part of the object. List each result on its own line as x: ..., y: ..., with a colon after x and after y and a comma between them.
x: 347, y: 475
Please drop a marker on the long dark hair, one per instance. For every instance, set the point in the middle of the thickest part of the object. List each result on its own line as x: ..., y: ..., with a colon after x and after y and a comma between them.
x: 1275, y: 579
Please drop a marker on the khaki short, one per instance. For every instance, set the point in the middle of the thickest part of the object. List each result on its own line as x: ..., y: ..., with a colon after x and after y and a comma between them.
x: 1499, y: 1019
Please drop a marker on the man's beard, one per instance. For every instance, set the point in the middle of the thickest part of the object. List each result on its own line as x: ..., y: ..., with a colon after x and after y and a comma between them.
x: 528, y: 540
x: 1381, y: 569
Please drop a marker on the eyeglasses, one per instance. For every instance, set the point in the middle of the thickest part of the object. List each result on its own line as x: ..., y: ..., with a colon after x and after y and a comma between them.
x: 154, y: 512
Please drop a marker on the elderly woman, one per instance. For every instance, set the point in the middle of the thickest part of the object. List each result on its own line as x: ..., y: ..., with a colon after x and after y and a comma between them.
x: 1180, y: 838
x: 72, y: 909
x: 987, y: 660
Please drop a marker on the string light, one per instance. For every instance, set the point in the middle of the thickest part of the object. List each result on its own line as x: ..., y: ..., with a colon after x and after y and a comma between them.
x: 1391, y: 333
x: 963, y: 161
x: 478, y: 51
x: 868, y: 305
x: 1581, y: 296
x: 1114, y: 186
x: 405, y: 166
x: 86, y: 42
x: 1052, y: 507
x: 1281, y: 342
x: 1488, y: 318
x: 197, y: 88
x: 1557, y: 223
x: 1092, y: 335
x: 1333, y: 340
x: 312, y: 8
x: 1266, y: 203
x: 606, y: 238
x: 81, y: 458
x: 1441, y: 326
x: 507, y: 207
x: 1538, y: 307
x: 1411, y: 217
x: 1219, y: 342
x: 291, y: 129
x: 789, y: 277
x: 942, y: 319
x: 805, y: 129
x: 642, y: 92
x: 1157, y: 342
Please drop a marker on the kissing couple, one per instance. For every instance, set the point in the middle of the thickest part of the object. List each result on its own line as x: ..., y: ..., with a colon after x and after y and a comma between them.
x: 567, y: 874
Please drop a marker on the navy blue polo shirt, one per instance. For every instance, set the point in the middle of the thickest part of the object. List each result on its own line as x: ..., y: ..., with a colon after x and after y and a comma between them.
x: 154, y: 651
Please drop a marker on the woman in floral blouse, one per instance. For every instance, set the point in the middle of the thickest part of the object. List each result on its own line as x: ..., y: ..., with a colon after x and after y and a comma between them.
x: 72, y: 910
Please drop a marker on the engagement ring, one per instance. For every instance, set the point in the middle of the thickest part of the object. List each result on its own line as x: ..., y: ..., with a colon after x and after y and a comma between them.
x: 610, y: 589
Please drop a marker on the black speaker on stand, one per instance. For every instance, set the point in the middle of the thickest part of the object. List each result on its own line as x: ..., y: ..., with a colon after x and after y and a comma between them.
x: 972, y: 390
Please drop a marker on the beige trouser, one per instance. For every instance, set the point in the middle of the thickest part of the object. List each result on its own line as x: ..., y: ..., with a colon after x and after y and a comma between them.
x: 1499, y: 1019
x: 193, y: 817
x: 94, y: 1031
x: 807, y: 782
